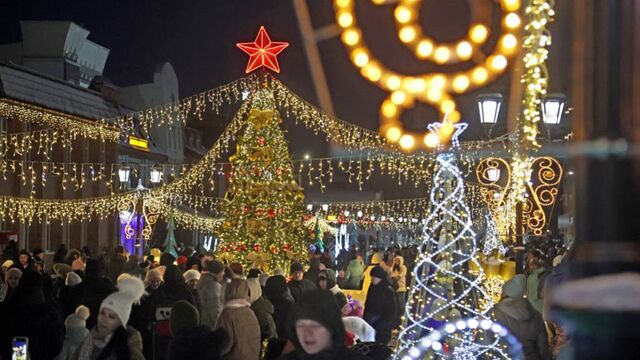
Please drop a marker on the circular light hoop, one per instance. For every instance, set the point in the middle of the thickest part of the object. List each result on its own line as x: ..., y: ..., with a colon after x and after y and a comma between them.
x: 406, y: 17
x: 429, y: 91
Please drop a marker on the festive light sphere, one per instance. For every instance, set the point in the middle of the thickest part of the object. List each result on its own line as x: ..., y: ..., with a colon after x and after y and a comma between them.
x: 466, y: 339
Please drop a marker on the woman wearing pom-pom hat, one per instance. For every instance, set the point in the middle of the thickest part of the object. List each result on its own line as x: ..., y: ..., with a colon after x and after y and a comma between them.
x: 111, y: 338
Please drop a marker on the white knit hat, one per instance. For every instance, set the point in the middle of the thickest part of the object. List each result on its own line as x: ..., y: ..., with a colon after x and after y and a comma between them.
x: 72, y: 279
x: 130, y: 290
x: 191, y: 274
x: 77, y: 319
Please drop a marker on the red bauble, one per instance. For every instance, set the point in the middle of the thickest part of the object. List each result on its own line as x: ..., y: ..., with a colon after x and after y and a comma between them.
x: 271, y: 213
x: 257, y: 247
x: 261, y: 141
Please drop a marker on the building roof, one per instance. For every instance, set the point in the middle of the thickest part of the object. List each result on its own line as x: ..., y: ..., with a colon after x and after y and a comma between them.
x: 22, y: 84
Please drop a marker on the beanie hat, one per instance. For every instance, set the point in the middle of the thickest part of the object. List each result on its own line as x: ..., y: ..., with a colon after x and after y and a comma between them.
x: 237, y: 268
x: 77, y: 264
x: 162, y: 269
x: 122, y: 277
x: 254, y: 273
x: 62, y: 270
x: 130, y: 290
x: 296, y: 266
x: 191, y: 275
x: 378, y: 272
x: 214, y: 266
x: 319, y: 306
x: 7, y: 264
x: 77, y: 319
x: 182, y: 260
x: 516, y: 287
x: 72, y: 279
x: 255, y: 290
x: 183, y: 316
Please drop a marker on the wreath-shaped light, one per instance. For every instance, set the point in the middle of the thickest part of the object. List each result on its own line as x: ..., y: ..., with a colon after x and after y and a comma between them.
x: 436, y: 88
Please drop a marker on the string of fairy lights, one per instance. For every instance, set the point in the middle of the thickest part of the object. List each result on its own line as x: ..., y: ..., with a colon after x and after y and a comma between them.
x: 64, y: 129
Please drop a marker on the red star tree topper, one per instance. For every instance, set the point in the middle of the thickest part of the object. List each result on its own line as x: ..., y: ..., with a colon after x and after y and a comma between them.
x: 262, y: 51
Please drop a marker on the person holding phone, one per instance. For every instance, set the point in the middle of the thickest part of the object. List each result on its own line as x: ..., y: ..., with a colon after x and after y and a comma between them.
x: 25, y: 314
x: 20, y: 347
x: 111, y: 338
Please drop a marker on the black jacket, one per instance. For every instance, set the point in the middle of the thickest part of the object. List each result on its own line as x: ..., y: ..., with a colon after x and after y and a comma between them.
x: 91, y: 291
x: 298, y: 287
x: 380, y: 310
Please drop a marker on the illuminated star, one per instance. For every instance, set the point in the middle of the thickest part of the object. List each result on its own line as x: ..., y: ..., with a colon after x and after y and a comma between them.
x: 262, y: 51
x: 458, y: 128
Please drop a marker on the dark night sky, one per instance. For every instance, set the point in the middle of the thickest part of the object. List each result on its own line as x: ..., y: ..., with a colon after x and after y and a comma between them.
x: 198, y: 37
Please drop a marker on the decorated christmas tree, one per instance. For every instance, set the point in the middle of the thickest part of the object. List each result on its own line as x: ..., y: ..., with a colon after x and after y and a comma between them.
x: 170, y: 246
x: 263, y: 205
x: 444, y: 289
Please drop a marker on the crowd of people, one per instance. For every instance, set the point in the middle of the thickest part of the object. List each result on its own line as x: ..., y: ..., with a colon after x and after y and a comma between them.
x: 116, y: 306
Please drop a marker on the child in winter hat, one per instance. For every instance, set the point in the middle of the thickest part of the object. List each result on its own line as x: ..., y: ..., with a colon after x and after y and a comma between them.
x: 77, y: 331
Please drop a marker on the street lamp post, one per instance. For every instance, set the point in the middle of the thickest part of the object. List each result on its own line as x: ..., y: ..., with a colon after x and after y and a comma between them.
x: 552, y: 110
x: 489, y: 108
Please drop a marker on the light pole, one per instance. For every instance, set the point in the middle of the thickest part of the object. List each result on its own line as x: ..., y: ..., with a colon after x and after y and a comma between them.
x: 489, y: 108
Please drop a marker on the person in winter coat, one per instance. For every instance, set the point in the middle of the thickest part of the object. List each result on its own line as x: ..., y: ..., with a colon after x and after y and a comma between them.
x: 25, y: 313
x: 77, y: 331
x: 11, y: 279
x: 68, y: 294
x: 525, y: 323
x: 240, y: 323
x: 111, y: 338
x: 93, y: 289
x: 380, y: 306
x: 314, y: 270
x: 210, y: 293
x: 198, y: 342
x: 298, y: 284
x: 116, y: 263
x: 353, y: 307
x: 262, y: 308
x: 327, y: 281
x: 399, y: 277
x: 354, y: 273
x: 317, y: 329
x: 157, y: 305
x: 277, y: 293
x: 536, y: 279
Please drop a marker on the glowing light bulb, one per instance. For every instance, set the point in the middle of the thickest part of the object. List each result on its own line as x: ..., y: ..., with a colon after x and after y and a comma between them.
x: 438, y: 81
x: 389, y: 110
x: 407, y: 142
x: 424, y: 49
x: 460, y: 83
x: 345, y: 19
x: 512, y: 21
x: 442, y: 54
x: 447, y: 106
x: 398, y: 97
x: 479, y: 75
x: 464, y: 50
x: 372, y: 72
x: 434, y: 95
x: 415, y: 85
x: 403, y: 14
x: 511, y: 5
x: 498, y: 62
x: 407, y: 34
x: 393, y: 134
x: 509, y: 42
x: 431, y: 140
x: 478, y: 33
x: 393, y: 82
x: 360, y: 57
x: 351, y: 37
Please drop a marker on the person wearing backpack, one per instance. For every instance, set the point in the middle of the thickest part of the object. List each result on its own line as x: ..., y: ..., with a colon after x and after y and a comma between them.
x: 538, y: 272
